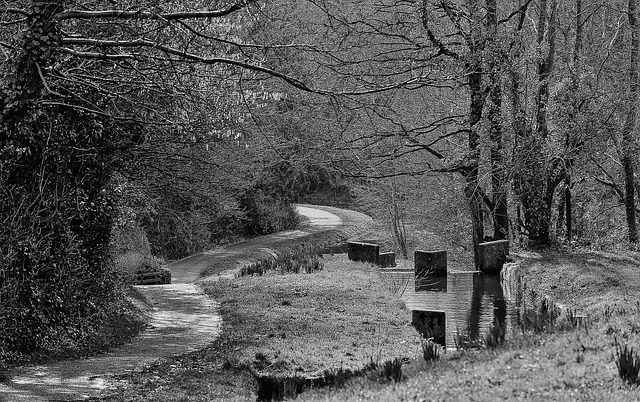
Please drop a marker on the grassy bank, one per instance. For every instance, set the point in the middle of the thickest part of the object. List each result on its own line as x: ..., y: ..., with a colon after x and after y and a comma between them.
x: 343, y: 317
x: 337, y: 319
x: 562, y: 365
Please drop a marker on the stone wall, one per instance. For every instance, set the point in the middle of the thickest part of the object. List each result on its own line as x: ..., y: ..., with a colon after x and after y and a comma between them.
x: 493, y: 255
x: 387, y: 260
x: 364, y: 252
x: 430, y: 262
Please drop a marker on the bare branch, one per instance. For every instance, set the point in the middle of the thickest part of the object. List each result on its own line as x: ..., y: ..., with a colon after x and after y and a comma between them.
x: 17, y: 11
x: 44, y: 81
x: 189, y: 57
x: 144, y: 15
x: 99, y: 56
x: 520, y: 11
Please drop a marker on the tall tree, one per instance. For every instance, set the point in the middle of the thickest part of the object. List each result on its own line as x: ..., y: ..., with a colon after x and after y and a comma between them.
x: 628, y: 137
x: 540, y: 167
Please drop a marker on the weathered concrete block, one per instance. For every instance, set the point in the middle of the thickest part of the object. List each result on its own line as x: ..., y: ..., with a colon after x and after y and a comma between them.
x: 336, y: 249
x: 430, y: 324
x: 386, y: 260
x: 365, y: 252
x: 432, y: 283
x: 493, y: 255
x: 430, y: 262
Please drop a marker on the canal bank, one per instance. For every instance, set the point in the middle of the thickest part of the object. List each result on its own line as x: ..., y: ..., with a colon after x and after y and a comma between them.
x: 182, y: 319
x: 560, y: 363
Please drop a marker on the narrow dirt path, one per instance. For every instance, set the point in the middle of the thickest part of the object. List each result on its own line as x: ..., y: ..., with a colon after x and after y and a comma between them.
x: 183, y: 320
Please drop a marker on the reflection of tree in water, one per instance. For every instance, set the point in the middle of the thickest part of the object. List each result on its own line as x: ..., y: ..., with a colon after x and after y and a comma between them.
x: 467, y: 304
x: 431, y: 324
x: 487, y: 293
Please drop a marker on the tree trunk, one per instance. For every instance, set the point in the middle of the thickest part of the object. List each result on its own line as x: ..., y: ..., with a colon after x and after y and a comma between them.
x: 498, y: 174
x: 628, y: 140
x: 568, y: 209
x: 538, y: 177
x: 28, y: 67
x: 476, y: 106
x: 471, y: 175
x: 577, y: 51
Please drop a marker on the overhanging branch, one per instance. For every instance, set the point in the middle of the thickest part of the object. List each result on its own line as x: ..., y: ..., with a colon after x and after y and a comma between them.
x: 144, y: 15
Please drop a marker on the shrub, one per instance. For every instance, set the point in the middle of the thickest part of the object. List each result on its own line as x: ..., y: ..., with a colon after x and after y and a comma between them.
x: 495, y: 336
x: 541, y: 318
x: 266, y: 213
x: 303, y: 259
x: 430, y: 350
x: 392, y: 370
x: 56, y: 278
x: 464, y: 341
x: 129, y: 237
x: 628, y: 363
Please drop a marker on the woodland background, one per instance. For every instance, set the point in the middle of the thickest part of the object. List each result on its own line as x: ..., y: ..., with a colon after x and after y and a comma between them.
x: 134, y: 132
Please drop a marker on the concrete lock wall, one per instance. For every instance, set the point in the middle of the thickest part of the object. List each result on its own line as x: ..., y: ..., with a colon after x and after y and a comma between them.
x: 386, y: 260
x: 365, y: 252
x: 430, y: 262
x: 493, y: 255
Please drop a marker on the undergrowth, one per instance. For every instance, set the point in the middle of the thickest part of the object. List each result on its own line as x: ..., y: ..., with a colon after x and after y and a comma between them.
x: 302, y: 259
x: 628, y: 363
x: 392, y: 370
x: 430, y: 350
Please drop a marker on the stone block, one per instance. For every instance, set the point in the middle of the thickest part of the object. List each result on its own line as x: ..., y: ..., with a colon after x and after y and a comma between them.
x: 336, y: 249
x: 431, y: 283
x: 493, y: 255
x: 430, y: 263
x: 386, y: 260
x: 364, y: 252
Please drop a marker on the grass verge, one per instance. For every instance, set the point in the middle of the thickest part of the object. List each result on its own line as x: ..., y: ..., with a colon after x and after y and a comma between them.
x: 337, y: 320
x: 562, y: 363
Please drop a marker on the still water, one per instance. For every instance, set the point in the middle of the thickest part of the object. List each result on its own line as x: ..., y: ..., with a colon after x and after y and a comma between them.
x: 466, y: 303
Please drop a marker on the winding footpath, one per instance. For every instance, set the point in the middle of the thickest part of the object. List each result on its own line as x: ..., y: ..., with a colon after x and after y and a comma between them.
x: 183, y: 320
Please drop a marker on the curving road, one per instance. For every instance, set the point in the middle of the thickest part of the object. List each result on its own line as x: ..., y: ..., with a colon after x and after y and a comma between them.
x: 183, y: 319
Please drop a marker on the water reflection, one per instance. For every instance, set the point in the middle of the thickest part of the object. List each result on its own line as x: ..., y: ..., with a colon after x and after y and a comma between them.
x: 467, y: 303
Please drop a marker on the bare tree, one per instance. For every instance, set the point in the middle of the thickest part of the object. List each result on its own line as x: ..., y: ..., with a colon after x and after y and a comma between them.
x: 628, y: 137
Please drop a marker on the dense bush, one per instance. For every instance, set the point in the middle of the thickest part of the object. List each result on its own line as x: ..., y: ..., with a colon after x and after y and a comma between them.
x: 266, y: 213
x: 56, y: 213
x: 180, y: 223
